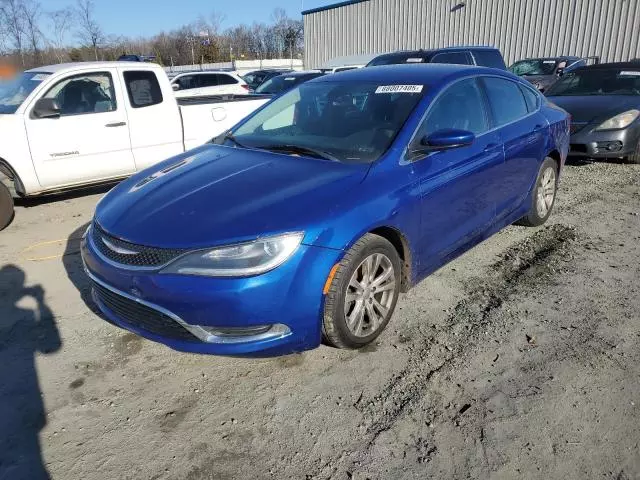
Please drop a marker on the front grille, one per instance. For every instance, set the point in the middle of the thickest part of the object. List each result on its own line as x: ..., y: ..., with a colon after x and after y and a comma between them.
x: 576, y: 127
x: 141, y: 316
x: 131, y: 254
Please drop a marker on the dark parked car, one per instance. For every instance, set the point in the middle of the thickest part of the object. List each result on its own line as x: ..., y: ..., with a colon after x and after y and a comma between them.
x: 544, y: 72
x: 481, y: 56
x: 604, y: 102
x: 137, y: 58
x: 258, y: 77
x: 286, y: 81
x: 310, y: 217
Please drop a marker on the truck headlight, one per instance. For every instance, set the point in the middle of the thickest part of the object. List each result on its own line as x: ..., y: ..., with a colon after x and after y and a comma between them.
x: 240, y: 260
x: 622, y: 120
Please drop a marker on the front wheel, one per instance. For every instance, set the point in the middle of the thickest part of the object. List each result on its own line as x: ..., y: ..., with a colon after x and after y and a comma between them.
x: 544, y: 194
x: 6, y: 206
x: 363, y: 293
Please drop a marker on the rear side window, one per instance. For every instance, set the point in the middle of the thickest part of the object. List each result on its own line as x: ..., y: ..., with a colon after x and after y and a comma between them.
x: 208, y: 80
x: 460, y: 107
x: 459, y: 58
x: 226, y: 80
x: 506, y: 100
x: 143, y: 88
x: 530, y: 97
x: 489, y: 58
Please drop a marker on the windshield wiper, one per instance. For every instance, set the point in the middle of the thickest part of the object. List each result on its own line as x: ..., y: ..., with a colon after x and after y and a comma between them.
x: 229, y: 136
x: 312, y: 152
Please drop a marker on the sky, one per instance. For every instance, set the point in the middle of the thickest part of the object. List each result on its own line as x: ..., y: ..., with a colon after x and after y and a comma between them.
x: 136, y: 18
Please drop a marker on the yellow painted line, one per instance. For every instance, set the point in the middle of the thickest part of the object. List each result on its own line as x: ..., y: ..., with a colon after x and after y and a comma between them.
x: 40, y: 244
x: 38, y: 259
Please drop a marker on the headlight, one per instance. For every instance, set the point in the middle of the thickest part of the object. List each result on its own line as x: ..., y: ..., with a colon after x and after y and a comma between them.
x: 241, y: 260
x: 622, y: 120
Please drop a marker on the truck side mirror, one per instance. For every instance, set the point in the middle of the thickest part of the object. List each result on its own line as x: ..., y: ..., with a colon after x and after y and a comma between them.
x: 560, y: 72
x: 47, y: 108
x: 175, y: 86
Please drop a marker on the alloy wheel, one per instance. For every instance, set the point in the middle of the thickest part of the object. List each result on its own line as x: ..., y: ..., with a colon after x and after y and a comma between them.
x: 546, y: 192
x: 370, y: 295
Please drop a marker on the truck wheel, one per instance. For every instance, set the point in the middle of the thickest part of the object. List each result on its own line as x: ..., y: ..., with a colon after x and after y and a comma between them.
x: 635, y: 157
x: 363, y: 293
x: 544, y: 195
x: 6, y: 206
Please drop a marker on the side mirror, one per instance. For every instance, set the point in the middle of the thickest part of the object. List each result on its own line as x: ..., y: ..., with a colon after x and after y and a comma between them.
x: 46, y: 108
x: 175, y: 86
x: 560, y: 72
x: 447, y: 138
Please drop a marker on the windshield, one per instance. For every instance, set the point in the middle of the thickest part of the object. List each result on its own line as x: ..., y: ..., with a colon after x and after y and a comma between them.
x: 536, y: 66
x: 345, y: 121
x: 282, y: 83
x: 16, y: 90
x: 598, y: 82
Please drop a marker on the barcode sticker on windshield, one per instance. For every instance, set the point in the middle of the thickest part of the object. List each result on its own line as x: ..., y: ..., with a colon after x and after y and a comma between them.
x: 39, y: 77
x: 414, y: 60
x: 399, y: 89
x: 548, y: 61
x: 630, y: 73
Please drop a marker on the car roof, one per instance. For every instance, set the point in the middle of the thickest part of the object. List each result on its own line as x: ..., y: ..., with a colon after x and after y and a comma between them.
x: 411, y: 74
x: 301, y: 73
x: 437, y: 50
x: 75, y: 65
x: 613, y: 65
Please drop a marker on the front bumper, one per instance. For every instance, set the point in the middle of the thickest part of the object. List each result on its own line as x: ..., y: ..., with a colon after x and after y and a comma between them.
x: 172, y: 309
x: 587, y: 142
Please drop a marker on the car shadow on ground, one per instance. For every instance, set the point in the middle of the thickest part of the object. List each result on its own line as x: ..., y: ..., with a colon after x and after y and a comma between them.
x: 62, y: 196
x: 27, y: 328
x: 582, y: 161
x: 72, y: 262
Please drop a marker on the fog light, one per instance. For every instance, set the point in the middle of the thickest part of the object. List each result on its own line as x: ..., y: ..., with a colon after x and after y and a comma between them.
x: 252, y: 333
x: 614, y: 146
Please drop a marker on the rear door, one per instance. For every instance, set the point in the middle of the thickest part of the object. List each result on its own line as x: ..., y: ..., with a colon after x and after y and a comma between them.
x: 457, y: 186
x: 89, y: 141
x: 522, y: 129
x: 154, y: 119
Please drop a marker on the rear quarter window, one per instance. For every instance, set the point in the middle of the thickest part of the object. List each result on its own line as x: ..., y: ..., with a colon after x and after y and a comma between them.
x: 531, y: 98
x: 489, y: 58
x: 143, y: 88
x: 226, y: 80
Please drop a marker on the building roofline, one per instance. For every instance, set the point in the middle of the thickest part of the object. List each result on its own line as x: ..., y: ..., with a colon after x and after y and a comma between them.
x: 332, y: 6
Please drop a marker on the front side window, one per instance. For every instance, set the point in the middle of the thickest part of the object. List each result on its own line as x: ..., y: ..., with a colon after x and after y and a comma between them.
x: 506, y: 100
x: 15, y: 91
x: 350, y: 122
x: 82, y: 94
x: 460, y: 107
x: 458, y: 58
x: 143, y: 88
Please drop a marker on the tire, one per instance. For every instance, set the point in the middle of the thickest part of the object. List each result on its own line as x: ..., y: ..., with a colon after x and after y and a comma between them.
x: 6, y: 206
x: 543, y: 197
x: 343, y: 326
x: 635, y: 157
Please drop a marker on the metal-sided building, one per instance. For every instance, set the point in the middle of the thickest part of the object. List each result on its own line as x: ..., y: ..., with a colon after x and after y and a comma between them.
x: 609, y: 29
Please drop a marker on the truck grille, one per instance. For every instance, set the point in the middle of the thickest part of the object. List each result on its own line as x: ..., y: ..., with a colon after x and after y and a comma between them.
x: 141, y: 316
x: 130, y: 254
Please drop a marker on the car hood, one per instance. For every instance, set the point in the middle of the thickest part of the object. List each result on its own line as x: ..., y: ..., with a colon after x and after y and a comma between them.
x: 215, y: 195
x: 595, y: 108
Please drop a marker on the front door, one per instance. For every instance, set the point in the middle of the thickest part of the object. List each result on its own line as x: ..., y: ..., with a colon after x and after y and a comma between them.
x: 89, y: 141
x: 458, y: 186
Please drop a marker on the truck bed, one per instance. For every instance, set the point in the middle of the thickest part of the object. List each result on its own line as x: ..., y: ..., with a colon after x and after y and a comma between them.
x: 208, y: 116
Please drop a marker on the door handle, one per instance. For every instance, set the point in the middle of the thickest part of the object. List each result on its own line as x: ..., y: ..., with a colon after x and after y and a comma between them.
x: 116, y: 124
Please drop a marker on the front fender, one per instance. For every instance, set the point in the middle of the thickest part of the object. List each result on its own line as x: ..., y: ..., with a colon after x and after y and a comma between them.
x: 15, y: 156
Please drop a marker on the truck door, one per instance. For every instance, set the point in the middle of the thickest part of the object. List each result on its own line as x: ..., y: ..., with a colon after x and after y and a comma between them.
x: 154, y: 118
x: 89, y: 140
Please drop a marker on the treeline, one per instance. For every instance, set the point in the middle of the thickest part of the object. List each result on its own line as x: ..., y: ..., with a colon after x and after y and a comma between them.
x: 31, y: 36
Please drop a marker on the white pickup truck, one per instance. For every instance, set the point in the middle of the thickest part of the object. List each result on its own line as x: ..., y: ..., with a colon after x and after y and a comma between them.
x: 71, y: 125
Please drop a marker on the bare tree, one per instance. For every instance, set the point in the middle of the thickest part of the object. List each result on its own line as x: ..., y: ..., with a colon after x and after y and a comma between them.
x: 12, y: 17
x: 60, y: 21
x: 89, y: 31
x: 31, y: 13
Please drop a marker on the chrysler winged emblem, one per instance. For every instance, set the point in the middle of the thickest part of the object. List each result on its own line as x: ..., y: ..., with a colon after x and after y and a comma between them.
x: 117, y: 249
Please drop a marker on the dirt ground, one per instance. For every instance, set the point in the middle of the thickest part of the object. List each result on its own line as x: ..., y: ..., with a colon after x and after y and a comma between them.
x: 521, y: 359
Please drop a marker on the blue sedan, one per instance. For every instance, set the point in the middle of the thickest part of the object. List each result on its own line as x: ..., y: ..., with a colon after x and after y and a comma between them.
x: 307, y: 220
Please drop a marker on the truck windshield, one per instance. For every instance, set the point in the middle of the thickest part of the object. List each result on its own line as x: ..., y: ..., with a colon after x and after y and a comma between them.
x: 597, y: 82
x: 536, y: 66
x: 350, y: 122
x: 16, y: 90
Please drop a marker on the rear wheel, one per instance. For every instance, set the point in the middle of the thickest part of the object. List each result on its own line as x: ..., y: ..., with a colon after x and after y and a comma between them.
x: 363, y: 293
x: 6, y: 206
x: 544, y: 194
